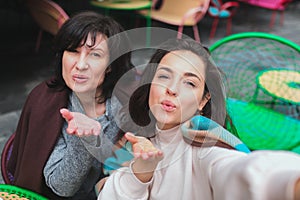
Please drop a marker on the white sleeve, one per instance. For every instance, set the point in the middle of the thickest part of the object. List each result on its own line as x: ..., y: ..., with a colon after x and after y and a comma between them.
x: 260, y: 175
x: 123, y: 184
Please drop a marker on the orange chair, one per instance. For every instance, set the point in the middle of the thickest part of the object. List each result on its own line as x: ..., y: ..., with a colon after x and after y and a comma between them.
x: 6, y: 152
x: 219, y: 10
x: 48, y: 15
x: 180, y: 13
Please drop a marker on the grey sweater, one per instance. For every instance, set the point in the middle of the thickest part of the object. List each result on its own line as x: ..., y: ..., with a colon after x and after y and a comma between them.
x: 74, y: 166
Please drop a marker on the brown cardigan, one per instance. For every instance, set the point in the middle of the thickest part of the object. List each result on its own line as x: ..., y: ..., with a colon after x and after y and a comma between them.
x: 38, y: 129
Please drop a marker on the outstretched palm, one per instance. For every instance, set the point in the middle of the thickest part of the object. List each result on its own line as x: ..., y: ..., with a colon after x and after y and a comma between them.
x: 147, y: 156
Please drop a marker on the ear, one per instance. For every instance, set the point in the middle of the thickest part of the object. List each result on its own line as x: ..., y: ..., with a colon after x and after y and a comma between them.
x: 204, y: 101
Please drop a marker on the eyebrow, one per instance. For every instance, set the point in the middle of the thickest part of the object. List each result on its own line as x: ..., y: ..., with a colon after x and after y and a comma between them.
x: 99, y: 49
x: 188, y: 74
x: 94, y: 47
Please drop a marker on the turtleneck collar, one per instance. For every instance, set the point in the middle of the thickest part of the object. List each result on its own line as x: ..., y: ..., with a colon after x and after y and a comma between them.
x: 168, y: 135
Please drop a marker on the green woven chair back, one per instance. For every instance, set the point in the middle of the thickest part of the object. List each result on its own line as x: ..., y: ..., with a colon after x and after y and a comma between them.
x: 14, y: 192
x: 243, y: 56
x: 263, y: 103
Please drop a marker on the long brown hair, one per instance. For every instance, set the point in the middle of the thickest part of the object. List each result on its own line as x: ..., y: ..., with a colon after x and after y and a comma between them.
x: 214, y: 109
x: 74, y: 33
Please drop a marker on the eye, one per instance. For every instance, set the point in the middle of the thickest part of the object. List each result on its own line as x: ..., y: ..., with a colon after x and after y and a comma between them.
x: 162, y: 76
x: 95, y: 54
x: 190, y: 83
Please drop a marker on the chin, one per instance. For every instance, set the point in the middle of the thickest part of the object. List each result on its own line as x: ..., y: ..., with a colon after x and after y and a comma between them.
x: 167, y: 124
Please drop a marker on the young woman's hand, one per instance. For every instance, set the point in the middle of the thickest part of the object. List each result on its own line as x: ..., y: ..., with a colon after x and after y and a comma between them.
x: 80, y: 124
x: 147, y: 156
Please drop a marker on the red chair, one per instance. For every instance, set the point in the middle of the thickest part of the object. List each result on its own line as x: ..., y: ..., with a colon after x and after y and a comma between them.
x: 275, y: 5
x: 48, y: 15
x: 6, y: 153
x: 219, y: 10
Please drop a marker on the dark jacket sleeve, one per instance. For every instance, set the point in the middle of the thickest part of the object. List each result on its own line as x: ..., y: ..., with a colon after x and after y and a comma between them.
x: 38, y: 129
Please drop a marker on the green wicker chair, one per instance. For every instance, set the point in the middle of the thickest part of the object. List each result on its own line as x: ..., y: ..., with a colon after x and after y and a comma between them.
x: 263, y: 128
x: 262, y: 119
x: 14, y: 192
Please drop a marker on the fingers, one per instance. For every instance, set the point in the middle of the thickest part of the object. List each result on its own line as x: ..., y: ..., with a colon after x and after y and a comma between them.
x: 146, y: 155
x: 96, y: 130
x: 66, y: 114
x: 83, y: 132
x: 79, y: 124
x: 143, y: 148
x: 149, y: 155
x: 71, y: 130
x: 131, y: 138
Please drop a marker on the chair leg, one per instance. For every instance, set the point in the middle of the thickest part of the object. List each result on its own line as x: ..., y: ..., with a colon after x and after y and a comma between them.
x: 273, y: 17
x: 281, y: 17
x: 38, y: 41
x: 228, y: 29
x: 213, y: 28
x: 196, y: 33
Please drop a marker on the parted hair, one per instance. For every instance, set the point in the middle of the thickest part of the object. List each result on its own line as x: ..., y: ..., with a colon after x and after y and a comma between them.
x: 74, y: 33
x: 215, y: 107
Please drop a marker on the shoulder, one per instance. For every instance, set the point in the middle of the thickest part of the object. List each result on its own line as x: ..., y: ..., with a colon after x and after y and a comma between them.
x: 40, y: 87
x: 217, y: 155
x: 44, y: 98
x: 42, y: 91
x: 39, y: 90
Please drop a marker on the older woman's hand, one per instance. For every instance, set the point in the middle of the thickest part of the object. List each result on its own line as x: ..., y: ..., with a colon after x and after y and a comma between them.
x: 80, y: 124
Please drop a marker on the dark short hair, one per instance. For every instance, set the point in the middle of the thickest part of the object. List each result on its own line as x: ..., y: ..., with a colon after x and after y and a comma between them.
x: 214, y: 109
x: 74, y: 33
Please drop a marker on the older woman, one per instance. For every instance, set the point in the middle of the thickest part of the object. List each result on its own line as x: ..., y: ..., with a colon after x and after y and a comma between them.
x: 47, y: 157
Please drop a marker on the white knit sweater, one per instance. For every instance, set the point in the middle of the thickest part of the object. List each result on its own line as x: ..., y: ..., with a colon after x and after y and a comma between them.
x: 192, y: 173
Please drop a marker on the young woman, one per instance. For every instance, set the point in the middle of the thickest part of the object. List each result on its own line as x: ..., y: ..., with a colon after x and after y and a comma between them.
x: 48, y: 156
x: 187, y: 155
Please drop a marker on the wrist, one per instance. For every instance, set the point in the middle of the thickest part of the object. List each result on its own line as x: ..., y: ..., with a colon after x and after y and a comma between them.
x: 141, y: 171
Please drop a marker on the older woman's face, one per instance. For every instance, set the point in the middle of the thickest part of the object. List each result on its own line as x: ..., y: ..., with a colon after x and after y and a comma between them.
x: 84, y: 68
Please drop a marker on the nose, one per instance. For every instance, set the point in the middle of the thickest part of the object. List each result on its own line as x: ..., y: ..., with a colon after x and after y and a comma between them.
x: 172, y: 89
x: 81, y: 62
x: 171, y: 92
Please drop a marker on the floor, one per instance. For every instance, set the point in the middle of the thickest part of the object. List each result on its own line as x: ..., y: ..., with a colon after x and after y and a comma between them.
x: 22, y: 68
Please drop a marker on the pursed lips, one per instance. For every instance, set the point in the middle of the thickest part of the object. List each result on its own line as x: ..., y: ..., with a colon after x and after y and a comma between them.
x: 168, y: 105
x: 79, y: 78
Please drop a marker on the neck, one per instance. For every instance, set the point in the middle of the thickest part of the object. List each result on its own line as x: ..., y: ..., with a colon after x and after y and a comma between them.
x: 90, y: 105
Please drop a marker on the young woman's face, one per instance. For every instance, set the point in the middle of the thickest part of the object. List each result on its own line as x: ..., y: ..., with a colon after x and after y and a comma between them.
x: 84, y: 69
x: 177, y: 88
